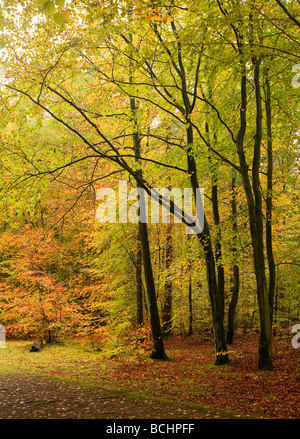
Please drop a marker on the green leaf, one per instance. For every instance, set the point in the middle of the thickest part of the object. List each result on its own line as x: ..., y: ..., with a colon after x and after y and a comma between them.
x: 60, y: 3
x: 58, y: 18
x: 49, y: 8
x: 41, y: 2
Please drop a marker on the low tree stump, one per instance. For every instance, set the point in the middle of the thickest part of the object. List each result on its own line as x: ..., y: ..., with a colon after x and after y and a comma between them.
x: 36, y: 345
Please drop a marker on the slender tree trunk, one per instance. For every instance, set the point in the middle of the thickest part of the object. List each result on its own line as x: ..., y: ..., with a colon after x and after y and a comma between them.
x: 204, y: 236
x: 253, y: 196
x: 235, y: 274
x: 167, y: 305
x: 218, y: 238
x: 190, y: 331
x: 216, y: 299
x: 276, y: 304
x: 158, y: 351
x: 218, y: 245
x: 255, y: 217
x: 265, y: 340
x: 269, y: 207
x: 190, y: 294
x: 233, y: 305
x: 139, y: 282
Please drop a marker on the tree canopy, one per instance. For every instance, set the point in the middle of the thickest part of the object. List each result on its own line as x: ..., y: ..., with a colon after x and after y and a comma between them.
x: 185, y: 94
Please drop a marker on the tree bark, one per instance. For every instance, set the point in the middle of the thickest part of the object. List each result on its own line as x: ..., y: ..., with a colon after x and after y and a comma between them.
x: 216, y: 299
x: 167, y: 305
x: 269, y: 207
x: 235, y: 274
x: 233, y: 305
x: 158, y: 351
x: 218, y: 245
x: 139, y: 282
x: 265, y: 340
x: 190, y: 331
x: 255, y: 216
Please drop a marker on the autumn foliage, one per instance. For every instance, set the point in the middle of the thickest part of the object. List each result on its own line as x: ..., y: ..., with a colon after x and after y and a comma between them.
x: 162, y: 95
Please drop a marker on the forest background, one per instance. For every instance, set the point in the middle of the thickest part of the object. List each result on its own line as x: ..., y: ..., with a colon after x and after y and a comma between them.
x: 182, y: 94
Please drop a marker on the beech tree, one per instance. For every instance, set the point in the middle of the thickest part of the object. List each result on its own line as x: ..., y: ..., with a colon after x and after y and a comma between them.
x: 115, y: 77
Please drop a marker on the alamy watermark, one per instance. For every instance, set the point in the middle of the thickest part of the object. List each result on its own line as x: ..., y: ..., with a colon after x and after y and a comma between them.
x: 2, y: 336
x: 2, y: 74
x: 296, y: 78
x: 118, y: 207
x: 296, y: 338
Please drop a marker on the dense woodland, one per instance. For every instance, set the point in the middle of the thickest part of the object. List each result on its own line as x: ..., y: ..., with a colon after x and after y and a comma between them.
x: 185, y: 94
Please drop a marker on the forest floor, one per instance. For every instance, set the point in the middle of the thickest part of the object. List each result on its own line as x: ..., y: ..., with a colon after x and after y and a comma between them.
x: 28, y: 397
x: 73, y: 381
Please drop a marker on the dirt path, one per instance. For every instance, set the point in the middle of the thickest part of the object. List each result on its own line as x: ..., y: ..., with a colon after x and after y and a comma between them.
x: 28, y: 397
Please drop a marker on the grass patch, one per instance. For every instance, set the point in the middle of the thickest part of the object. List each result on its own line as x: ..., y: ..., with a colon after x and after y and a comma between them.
x: 69, y: 361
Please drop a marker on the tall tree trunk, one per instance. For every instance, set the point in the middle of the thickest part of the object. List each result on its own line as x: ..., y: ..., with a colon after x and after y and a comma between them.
x: 276, y: 303
x: 139, y: 281
x: 204, y: 236
x: 255, y: 217
x: 167, y: 305
x: 216, y: 299
x: 265, y: 340
x: 218, y: 238
x: 269, y: 207
x: 232, y: 305
x: 190, y: 295
x: 190, y: 331
x: 235, y: 274
x: 158, y: 351
x: 253, y: 196
x: 218, y: 245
